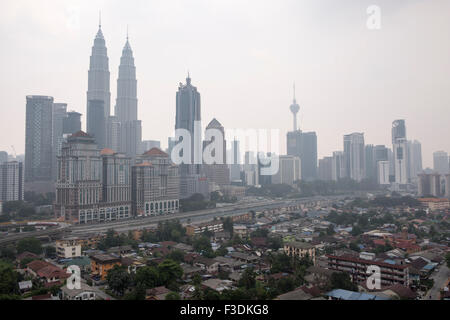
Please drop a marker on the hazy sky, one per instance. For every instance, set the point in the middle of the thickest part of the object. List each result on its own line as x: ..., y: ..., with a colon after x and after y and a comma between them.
x: 243, y: 56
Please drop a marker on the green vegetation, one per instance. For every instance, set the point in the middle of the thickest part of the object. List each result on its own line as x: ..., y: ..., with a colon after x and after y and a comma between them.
x: 114, y: 240
x: 167, y: 231
x: 196, y: 202
x: 32, y: 245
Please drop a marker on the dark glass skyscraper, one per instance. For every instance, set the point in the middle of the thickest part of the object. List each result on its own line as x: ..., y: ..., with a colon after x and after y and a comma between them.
x: 96, y: 125
x: 38, y: 139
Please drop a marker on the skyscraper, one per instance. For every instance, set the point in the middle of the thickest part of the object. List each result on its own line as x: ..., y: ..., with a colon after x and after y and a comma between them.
x: 326, y: 169
x: 59, y: 115
x: 38, y: 139
x: 400, y: 148
x: 96, y: 126
x: 370, y: 165
x: 155, y: 184
x: 288, y: 171
x: 187, y: 113
x: 217, y: 173
x: 354, y: 154
x: 11, y: 181
x: 338, y: 166
x: 126, y: 104
x: 188, y: 117
x: 98, y: 75
x: 440, y: 162
x: 415, y: 159
x: 72, y: 123
x: 92, y: 185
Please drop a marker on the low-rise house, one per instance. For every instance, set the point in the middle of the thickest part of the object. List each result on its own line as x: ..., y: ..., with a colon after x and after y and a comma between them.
x: 243, y: 257
x: 213, y: 226
x: 189, y: 271
x: 25, y: 286
x: 341, y: 294
x: 206, y: 264
x: 300, y: 250
x: 121, y: 250
x: 102, y: 263
x: 47, y: 272
x: 84, y: 293
x: 68, y: 248
x: 218, y: 284
x: 184, y: 247
x: 297, y: 294
x: 158, y: 293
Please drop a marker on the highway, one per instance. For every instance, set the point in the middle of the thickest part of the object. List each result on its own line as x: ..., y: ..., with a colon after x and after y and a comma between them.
x: 184, y: 217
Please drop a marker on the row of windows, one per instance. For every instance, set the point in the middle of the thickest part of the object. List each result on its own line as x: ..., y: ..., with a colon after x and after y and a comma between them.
x: 161, y: 206
x: 104, y: 214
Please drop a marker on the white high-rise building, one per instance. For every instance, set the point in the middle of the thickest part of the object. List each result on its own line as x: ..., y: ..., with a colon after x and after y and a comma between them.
x: 289, y: 170
x: 383, y: 172
x: 400, y: 149
x: 354, y: 154
x: 338, y: 166
x: 415, y: 159
x: 11, y: 181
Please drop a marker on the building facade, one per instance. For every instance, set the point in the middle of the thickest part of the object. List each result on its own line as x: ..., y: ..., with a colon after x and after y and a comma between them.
x: 11, y: 181
x: 354, y: 153
x: 155, y: 184
x: 83, y: 194
x: 38, y: 139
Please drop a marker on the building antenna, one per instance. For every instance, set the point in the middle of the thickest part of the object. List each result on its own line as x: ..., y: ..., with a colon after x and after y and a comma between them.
x: 100, y: 19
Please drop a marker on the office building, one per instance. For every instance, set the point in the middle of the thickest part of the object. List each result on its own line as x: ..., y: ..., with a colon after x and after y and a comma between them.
x: 217, y: 173
x: 92, y: 186
x: 415, y: 159
x: 289, y: 171
x: 338, y: 166
x: 429, y: 184
x: 354, y: 154
x: 11, y: 181
x: 383, y: 173
x: 96, y: 124
x: 440, y: 162
x: 59, y: 115
x: 155, y: 184
x: 400, y: 149
x: 72, y: 123
x: 326, y: 169
x: 38, y: 139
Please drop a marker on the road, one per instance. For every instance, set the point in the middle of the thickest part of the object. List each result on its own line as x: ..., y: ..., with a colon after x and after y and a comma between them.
x: 440, y: 278
x: 195, y: 216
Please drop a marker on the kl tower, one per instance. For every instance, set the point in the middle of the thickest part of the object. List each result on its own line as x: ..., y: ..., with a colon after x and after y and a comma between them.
x: 295, y: 108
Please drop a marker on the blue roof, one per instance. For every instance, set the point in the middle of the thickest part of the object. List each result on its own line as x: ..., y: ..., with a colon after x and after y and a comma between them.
x: 389, y: 261
x: 351, y: 295
x: 430, y: 266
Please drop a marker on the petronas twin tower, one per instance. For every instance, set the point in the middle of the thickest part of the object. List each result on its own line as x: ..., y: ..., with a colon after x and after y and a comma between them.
x: 123, y: 131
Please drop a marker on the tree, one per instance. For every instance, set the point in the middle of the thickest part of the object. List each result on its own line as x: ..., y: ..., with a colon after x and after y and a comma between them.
x: 202, y: 244
x: 50, y: 251
x: 173, y: 296
x: 247, y: 279
x: 8, y: 279
x: 447, y: 259
x: 228, y: 225
x: 169, y: 271
x: 147, y: 276
x: 196, y: 279
x: 118, y: 279
x: 32, y: 245
x: 342, y: 280
x: 176, y: 255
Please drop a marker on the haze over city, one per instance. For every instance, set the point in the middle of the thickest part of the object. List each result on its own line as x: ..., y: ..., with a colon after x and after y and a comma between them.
x: 243, y: 57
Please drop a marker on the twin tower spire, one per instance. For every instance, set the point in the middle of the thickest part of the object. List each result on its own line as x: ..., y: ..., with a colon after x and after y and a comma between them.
x: 125, y: 111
